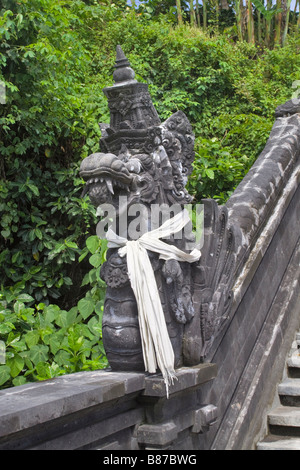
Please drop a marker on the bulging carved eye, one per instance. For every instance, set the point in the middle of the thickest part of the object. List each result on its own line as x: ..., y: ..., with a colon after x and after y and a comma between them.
x: 134, y: 165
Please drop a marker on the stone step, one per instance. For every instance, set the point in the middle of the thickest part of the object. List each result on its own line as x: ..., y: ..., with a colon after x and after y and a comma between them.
x: 293, y: 365
x: 285, y: 416
x: 284, y: 421
x: 279, y: 443
x: 289, y: 392
x: 294, y: 360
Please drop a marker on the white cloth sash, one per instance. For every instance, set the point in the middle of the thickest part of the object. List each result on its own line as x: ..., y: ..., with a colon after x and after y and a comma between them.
x: 156, y: 344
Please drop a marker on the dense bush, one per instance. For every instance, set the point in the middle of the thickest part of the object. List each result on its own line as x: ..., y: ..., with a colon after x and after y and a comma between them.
x: 55, y: 58
x: 43, y: 341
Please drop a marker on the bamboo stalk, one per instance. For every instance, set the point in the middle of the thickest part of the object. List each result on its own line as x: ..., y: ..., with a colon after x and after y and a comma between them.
x: 239, y: 19
x: 204, y: 14
x: 286, y: 26
x: 179, y: 12
x: 278, y: 21
x: 268, y: 25
x: 192, y: 13
x: 198, y: 13
x: 259, y: 27
x: 250, y: 23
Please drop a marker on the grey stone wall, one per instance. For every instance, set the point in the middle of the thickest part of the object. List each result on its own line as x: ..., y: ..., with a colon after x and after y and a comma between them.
x: 251, y: 351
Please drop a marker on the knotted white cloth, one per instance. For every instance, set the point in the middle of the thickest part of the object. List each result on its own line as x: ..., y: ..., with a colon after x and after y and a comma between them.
x: 156, y: 344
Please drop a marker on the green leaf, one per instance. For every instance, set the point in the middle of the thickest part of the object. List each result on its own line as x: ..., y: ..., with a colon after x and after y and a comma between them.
x: 20, y: 380
x: 6, y: 328
x: 72, y: 245
x: 83, y: 254
x: 99, y: 308
x: 93, y: 243
x: 39, y: 353
x: 62, y: 358
x: 16, y: 364
x: 34, y: 189
x: 18, y: 307
x: 25, y: 298
x: 32, y: 338
x: 85, y: 280
x: 4, y: 374
x: 86, y: 307
x: 43, y: 370
x: 5, y: 233
x: 51, y: 313
x: 55, y: 341
x: 67, y: 319
x: 210, y: 173
x: 96, y: 260
x: 39, y: 233
x: 95, y: 326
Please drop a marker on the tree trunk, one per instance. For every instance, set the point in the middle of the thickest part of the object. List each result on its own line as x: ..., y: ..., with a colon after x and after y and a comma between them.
x: 239, y: 19
x: 179, y: 12
x: 287, y: 18
x: 259, y: 26
x: 278, y: 21
x: 268, y: 25
x: 204, y: 14
x: 251, y: 39
x: 192, y: 13
x: 198, y: 13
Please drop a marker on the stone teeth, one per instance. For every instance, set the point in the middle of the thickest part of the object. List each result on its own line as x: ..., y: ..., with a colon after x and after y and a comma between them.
x: 109, y: 185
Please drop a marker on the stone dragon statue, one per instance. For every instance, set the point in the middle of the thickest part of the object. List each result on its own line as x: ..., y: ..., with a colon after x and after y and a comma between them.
x: 144, y: 160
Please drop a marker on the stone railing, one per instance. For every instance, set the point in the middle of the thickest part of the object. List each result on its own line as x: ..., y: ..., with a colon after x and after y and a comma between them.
x: 250, y: 351
x: 107, y: 410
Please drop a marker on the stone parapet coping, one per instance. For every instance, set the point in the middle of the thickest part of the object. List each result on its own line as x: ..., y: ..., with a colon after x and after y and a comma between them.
x: 29, y: 405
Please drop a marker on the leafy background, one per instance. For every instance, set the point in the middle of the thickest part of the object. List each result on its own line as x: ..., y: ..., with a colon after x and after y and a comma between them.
x: 55, y: 58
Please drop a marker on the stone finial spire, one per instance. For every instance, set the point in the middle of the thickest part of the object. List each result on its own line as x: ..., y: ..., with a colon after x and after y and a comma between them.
x: 123, y: 72
x: 130, y: 107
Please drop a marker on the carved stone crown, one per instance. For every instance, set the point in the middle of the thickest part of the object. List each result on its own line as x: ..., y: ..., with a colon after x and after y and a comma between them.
x: 132, y: 113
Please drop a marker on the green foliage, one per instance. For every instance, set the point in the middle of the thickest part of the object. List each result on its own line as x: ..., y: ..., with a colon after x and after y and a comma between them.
x: 267, y: 12
x: 44, y: 224
x: 228, y: 90
x: 216, y: 170
x: 52, y: 107
x: 44, y: 341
